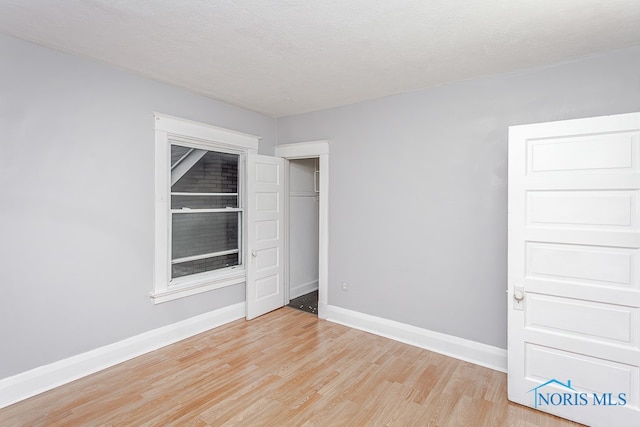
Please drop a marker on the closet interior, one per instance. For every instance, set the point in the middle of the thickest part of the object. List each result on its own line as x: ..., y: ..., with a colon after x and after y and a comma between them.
x: 303, y: 233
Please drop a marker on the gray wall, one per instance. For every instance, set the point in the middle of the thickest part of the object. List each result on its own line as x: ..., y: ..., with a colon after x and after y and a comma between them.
x: 418, y: 200
x: 76, y: 212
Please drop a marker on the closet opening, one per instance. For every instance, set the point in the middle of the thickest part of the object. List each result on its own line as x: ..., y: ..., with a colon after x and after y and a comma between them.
x: 315, y: 151
x: 303, y: 198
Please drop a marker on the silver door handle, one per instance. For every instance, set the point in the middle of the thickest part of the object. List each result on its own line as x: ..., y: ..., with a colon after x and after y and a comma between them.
x: 518, y: 295
x: 254, y: 254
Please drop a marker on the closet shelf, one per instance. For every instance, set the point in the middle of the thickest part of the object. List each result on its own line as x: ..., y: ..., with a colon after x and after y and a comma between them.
x: 303, y: 194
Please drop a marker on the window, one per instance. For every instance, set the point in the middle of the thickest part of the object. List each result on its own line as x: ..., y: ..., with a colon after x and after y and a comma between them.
x: 206, y: 216
x: 199, y: 207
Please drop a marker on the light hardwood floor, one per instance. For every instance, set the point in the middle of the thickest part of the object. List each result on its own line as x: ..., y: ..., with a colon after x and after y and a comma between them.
x: 286, y: 368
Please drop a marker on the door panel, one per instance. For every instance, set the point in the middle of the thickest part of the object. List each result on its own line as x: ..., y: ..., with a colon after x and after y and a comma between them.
x: 266, y: 230
x: 573, y: 269
x: 265, y: 270
x: 570, y: 154
x: 588, y: 265
x: 606, y: 323
x: 583, y: 208
x: 588, y: 373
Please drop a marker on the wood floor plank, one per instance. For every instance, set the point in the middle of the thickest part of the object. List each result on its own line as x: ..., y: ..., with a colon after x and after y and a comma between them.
x: 286, y: 368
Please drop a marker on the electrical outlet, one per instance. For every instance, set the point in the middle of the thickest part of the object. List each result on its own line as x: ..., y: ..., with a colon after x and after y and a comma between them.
x: 345, y: 286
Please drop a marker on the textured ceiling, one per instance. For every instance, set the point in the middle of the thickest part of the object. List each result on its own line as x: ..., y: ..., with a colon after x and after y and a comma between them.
x: 284, y: 57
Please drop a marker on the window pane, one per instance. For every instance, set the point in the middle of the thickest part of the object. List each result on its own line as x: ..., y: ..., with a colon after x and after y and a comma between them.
x: 204, y: 202
x: 202, y: 233
x: 202, y: 265
x: 177, y: 153
x: 204, y: 172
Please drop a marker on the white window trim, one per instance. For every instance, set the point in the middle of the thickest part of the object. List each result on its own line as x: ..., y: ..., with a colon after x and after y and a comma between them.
x: 169, y: 129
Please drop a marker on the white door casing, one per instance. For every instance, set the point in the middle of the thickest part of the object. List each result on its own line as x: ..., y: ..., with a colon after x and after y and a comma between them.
x: 574, y: 268
x: 319, y: 149
x: 265, y: 234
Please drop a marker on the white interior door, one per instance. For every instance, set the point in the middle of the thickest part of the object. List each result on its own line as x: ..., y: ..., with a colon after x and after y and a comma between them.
x: 265, y: 234
x: 574, y: 269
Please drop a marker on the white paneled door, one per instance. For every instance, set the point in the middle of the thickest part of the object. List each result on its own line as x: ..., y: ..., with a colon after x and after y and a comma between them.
x: 574, y: 269
x: 265, y: 263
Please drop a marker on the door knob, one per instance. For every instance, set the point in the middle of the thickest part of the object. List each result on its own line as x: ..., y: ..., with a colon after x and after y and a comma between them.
x: 518, y: 297
x: 253, y: 254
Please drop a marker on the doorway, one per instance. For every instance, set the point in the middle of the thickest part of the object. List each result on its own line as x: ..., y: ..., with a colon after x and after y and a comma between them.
x: 303, y: 226
x: 301, y: 155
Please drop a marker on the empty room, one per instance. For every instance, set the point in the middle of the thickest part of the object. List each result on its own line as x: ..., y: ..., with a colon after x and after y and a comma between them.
x: 349, y: 213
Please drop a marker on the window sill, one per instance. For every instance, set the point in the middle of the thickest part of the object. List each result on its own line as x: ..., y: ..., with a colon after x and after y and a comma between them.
x: 195, y: 285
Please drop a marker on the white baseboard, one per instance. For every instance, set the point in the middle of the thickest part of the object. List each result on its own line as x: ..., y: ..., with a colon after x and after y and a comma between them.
x: 303, y: 289
x: 459, y: 348
x: 35, y: 381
